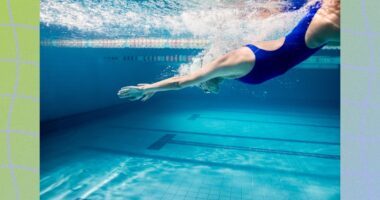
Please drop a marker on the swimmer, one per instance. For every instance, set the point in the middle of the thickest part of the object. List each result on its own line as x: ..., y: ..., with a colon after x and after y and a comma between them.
x: 258, y: 62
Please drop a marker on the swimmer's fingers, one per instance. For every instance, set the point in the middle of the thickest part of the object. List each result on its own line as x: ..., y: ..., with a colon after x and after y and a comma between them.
x: 128, y: 89
x: 147, y: 96
x: 123, y: 93
x: 132, y: 93
x: 138, y: 86
x: 134, y: 98
x: 123, y: 96
x: 129, y: 96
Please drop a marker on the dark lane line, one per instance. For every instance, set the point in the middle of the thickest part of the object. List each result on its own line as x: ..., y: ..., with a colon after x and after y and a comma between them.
x: 264, y: 122
x: 248, y: 168
x: 161, y: 142
x: 229, y: 136
x: 287, y: 114
x: 254, y: 149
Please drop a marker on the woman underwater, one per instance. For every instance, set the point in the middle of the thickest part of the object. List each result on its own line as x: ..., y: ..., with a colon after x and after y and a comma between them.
x: 260, y: 61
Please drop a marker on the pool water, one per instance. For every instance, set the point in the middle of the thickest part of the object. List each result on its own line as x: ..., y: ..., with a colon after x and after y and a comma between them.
x: 195, y: 150
x: 277, y: 140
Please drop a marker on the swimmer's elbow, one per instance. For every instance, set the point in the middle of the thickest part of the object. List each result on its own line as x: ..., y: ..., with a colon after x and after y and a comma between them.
x: 178, y: 85
x: 181, y: 84
x: 187, y: 82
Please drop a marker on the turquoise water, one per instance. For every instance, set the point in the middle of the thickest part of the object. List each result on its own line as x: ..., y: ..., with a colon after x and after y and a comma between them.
x: 276, y: 140
x: 202, y: 151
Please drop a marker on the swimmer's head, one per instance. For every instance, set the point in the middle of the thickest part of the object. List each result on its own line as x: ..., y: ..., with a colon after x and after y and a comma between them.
x: 211, y: 86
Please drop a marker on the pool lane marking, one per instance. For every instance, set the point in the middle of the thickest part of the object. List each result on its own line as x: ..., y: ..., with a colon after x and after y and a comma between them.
x: 279, y: 113
x: 168, y: 139
x: 254, y: 149
x: 197, y: 116
x: 249, y: 168
x: 161, y: 142
x: 229, y: 136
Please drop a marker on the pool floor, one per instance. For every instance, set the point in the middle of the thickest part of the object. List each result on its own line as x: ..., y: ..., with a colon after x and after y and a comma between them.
x: 200, y: 152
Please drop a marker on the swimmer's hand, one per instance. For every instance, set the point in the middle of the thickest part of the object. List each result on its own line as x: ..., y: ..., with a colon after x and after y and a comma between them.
x: 134, y: 93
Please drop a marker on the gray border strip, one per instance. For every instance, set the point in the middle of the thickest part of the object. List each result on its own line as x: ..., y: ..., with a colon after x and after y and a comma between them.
x: 21, y: 26
x: 12, y: 131
x: 12, y: 96
x: 26, y: 62
x: 25, y: 168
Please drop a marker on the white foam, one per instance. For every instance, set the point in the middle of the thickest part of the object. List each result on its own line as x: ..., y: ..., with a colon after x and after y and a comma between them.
x: 227, y: 25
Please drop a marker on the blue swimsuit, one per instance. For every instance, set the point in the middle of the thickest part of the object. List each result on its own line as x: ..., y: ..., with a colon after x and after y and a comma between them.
x: 270, y: 64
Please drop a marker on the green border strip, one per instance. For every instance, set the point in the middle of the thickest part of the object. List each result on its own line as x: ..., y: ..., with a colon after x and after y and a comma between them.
x: 19, y: 99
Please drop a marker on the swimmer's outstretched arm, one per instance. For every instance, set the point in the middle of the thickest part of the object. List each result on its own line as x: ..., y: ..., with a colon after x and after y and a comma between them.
x: 145, y: 91
x: 231, y: 64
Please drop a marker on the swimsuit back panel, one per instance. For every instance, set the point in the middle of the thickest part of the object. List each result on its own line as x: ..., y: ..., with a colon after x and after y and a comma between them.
x: 270, y: 64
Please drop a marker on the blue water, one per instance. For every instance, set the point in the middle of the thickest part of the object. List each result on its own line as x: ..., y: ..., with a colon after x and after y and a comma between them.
x: 196, y: 150
x: 277, y: 140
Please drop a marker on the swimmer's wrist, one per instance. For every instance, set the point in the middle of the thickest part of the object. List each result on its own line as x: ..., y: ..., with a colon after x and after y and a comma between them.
x: 147, y: 88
